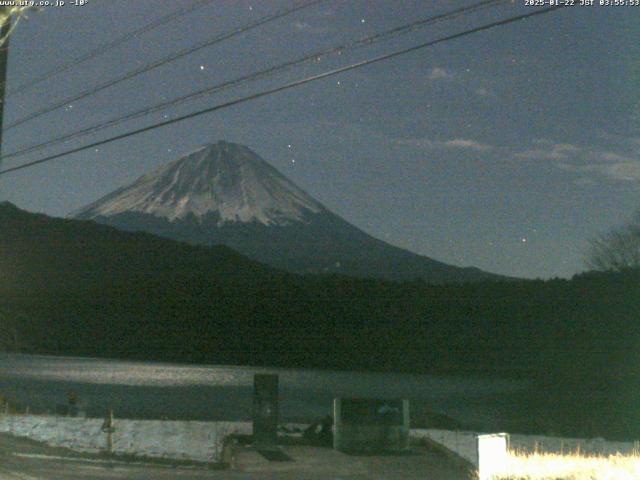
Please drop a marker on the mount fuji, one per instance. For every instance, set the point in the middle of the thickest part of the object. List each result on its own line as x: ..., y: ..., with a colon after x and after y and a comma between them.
x: 224, y: 193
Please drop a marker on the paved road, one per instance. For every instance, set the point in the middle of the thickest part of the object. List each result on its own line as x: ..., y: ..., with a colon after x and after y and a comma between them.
x: 25, y: 460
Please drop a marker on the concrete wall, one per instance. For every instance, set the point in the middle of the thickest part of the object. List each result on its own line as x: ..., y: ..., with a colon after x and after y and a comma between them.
x: 462, y: 444
x: 180, y: 440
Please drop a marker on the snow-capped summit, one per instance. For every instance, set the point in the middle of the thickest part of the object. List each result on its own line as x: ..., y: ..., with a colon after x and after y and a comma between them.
x: 226, y: 180
x: 225, y: 194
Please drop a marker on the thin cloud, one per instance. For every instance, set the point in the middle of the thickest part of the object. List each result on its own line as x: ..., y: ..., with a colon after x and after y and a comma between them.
x: 457, y: 143
x: 612, y: 157
x: 621, y: 171
x: 467, y: 144
x: 549, y: 151
x: 588, y: 161
x: 305, y: 27
x: 585, y: 182
x: 439, y: 73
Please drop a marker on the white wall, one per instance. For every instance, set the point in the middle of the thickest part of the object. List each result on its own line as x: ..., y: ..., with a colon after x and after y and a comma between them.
x: 183, y: 440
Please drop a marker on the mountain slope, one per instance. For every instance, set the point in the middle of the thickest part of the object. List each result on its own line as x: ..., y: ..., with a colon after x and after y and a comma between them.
x: 226, y: 194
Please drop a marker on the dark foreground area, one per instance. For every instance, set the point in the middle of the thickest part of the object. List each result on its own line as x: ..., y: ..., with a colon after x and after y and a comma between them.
x: 23, y: 459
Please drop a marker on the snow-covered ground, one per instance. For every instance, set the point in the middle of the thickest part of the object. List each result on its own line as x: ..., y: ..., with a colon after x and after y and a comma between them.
x: 464, y: 444
x: 182, y: 440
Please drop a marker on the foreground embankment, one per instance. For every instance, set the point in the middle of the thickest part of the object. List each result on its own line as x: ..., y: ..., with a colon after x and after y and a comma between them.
x: 204, y: 441
x: 178, y: 440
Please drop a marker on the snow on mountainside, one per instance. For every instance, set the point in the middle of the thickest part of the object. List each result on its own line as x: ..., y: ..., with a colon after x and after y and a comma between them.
x: 223, y: 179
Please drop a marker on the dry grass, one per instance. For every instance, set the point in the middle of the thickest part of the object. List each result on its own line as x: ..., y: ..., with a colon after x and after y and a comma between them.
x: 571, y: 466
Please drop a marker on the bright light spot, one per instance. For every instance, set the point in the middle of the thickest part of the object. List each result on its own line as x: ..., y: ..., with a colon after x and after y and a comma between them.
x: 362, y: 20
x: 293, y: 160
x: 289, y: 146
x: 492, y: 455
x: 338, y: 83
x: 523, y: 240
x: 201, y: 67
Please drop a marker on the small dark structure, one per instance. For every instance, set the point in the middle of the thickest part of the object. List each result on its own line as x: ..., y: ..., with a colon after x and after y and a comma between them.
x: 72, y: 402
x: 265, y: 410
x: 320, y: 432
x: 370, y: 425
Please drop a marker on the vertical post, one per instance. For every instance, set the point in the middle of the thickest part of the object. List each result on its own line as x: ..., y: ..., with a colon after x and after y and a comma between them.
x: 16, y: 343
x: 108, y: 428
x: 4, y: 56
x: 265, y: 410
x: 337, y: 424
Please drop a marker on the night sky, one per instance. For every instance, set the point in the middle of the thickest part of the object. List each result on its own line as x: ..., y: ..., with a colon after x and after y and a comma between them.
x: 506, y: 150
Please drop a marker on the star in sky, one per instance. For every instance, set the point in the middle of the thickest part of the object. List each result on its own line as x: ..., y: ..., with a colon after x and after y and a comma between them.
x: 448, y: 192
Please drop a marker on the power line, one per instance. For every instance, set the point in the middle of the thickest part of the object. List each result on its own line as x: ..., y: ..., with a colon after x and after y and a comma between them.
x: 287, y: 86
x: 105, y: 47
x: 315, y: 56
x: 164, y: 61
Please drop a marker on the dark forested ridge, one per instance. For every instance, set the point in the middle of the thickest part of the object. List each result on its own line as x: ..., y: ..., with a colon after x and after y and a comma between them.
x: 84, y: 288
x: 78, y: 288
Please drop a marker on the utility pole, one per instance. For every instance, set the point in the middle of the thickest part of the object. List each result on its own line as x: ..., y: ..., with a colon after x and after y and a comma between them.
x: 4, y: 56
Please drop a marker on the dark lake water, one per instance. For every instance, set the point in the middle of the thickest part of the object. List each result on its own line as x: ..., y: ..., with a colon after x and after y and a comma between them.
x: 207, y: 392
